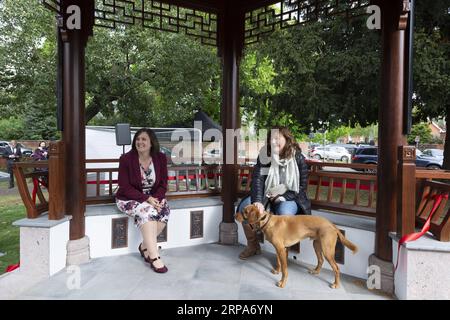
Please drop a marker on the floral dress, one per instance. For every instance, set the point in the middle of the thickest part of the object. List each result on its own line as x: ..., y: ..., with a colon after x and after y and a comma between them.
x: 144, y: 212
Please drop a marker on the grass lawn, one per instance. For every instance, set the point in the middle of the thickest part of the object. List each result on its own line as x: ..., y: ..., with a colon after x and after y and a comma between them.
x: 11, y: 209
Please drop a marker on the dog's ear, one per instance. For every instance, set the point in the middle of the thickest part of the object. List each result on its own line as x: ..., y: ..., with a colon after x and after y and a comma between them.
x: 251, y: 213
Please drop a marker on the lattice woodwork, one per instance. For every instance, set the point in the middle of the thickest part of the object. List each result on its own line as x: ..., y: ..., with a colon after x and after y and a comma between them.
x: 290, y: 13
x: 154, y: 15
x: 203, y: 25
x: 159, y: 16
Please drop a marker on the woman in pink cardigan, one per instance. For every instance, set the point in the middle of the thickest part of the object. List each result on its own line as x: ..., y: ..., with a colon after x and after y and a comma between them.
x: 142, y: 191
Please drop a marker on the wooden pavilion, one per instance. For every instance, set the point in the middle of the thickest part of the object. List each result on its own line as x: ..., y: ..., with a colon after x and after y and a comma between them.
x: 230, y: 25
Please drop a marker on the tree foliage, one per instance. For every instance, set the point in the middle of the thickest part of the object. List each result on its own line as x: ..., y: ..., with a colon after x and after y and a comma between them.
x: 324, y: 75
x: 327, y: 72
x: 135, y: 75
x: 432, y: 65
x: 421, y: 130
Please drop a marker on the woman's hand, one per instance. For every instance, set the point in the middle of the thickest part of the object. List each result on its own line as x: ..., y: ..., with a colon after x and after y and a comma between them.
x: 260, y: 207
x: 155, y: 203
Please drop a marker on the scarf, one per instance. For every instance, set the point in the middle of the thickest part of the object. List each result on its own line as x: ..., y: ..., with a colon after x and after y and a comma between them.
x: 292, y: 173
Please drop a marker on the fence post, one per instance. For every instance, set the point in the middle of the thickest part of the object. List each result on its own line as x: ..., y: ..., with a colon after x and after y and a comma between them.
x: 406, y: 204
x: 56, y: 180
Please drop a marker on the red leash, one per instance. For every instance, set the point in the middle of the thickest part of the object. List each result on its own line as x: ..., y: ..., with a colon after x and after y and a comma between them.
x: 425, y: 228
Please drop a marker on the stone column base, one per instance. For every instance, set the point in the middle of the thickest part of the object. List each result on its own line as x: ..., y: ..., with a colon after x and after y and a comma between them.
x: 42, y: 245
x: 78, y: 251
x: 228, y: 233
x: 423, y: 268
x: 387, y: 273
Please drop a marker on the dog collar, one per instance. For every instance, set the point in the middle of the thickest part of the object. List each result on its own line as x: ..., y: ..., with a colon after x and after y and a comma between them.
x: 270, y: 216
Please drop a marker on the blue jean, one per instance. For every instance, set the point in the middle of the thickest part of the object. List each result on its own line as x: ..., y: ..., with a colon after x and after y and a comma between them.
x: 285, y: 208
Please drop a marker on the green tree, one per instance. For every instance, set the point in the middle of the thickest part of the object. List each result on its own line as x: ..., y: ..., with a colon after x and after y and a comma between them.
x: 27, y: 68
x: 421, y: 130
x: 327, y: 71
x: 136, y: 75
x: 339, y: 132
x: 257, y: 86
x: 432, y: 65
x: 11, y: 128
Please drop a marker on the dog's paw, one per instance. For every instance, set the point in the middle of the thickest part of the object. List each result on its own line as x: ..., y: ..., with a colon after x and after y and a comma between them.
x: 275, y: 271
x: 281, y: 284
x: 313, y: 271
x: 334, y: 286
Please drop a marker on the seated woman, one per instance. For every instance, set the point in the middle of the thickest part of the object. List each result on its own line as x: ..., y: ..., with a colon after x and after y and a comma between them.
x: 142, y: 191
x: 41, y: 154
x: 282, y: 182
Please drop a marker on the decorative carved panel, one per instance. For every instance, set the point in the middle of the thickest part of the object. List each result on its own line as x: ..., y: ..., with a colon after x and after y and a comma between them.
x: 196, y: 224
x: 159, y: 16
x: 203, y: 25
x: 119, y: 233
x: 151, y: 14
x: 289, y: 13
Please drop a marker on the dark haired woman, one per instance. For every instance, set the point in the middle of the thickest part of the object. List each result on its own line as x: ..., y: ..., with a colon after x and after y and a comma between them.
x: 41, y: 153
x: 280, y: 177
x: 142, y: 191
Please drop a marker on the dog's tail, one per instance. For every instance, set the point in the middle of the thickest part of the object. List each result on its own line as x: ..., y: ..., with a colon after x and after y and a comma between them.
x: 346, y: 242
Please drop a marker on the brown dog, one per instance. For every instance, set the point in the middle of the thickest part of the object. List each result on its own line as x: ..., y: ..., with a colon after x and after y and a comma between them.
x: 285, y: 231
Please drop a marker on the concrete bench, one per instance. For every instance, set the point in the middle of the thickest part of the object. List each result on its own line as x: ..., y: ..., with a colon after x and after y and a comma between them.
x: 43, y: 242
x: 202, y: 214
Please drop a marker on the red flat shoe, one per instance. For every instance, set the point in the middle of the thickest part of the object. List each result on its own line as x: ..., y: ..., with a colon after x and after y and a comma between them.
x: 163, y: 269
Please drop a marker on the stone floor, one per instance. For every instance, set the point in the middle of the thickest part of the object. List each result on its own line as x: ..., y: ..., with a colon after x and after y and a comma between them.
x: 209, y: 272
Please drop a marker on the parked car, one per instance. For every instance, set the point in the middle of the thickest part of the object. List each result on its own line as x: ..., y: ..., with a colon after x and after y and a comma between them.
x: 312, y: 147
x: 25, y: 151
x: 436, y: 153
x: 331, y: 152
x: 429, y: 162
x: 366, y: 155
x: 3, y: 145
x: 350, y: 147
x: 369, y: 155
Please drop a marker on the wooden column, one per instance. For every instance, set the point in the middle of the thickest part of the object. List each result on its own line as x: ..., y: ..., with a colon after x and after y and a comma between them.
x: 74, y: 108
x: 231, y: 28
x: 390, y: 135
x: 406, y: 201
x: 56, y: 175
